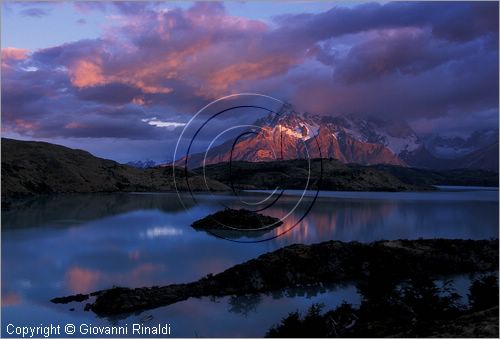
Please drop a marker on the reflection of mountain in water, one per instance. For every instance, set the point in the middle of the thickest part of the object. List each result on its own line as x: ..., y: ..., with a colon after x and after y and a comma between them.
x: 371, y: 220
x: 375, y: 219
x: 327, y: 217
x: 77, y: 208
x: 326, y: 220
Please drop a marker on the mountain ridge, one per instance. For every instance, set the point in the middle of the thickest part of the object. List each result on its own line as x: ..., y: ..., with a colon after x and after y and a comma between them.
x: 348, y: 138
x: 33, y: 167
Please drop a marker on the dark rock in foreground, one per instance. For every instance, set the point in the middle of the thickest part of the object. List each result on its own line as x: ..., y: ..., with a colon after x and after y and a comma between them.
x: 237, y: 219
x: 65, y: 300
x: 327, y: 262
x: 480, y: 324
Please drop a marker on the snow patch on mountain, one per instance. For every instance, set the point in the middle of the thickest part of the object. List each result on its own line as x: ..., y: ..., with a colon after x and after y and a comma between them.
x: 399, y: 144
x: 396, y: 136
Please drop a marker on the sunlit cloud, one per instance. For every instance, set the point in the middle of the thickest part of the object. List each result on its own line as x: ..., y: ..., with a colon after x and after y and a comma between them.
x: 12, y: 54
x: 164, y: 124
x: 86, y: 73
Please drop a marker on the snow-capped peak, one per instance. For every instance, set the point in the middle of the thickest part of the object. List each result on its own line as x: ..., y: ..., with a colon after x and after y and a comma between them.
x: 397, y: 137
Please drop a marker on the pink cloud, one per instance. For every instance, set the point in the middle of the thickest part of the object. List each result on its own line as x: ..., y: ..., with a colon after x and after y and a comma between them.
x: 221, y: 80
x: 201, y: 46
x: 21, y: 126
x: 74, y: 125
x: 85, y: 73
x: 10, y: 54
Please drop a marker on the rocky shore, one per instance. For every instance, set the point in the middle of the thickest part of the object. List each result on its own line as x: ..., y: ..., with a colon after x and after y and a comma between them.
x: 309, y: 265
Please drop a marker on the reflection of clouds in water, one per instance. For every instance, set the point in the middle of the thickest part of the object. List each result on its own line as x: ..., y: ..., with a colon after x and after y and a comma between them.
x: 134, y: 255
x: 25, y: 283
x: 160, y: 231
x: 106, y: 249
x: 10, y: 299
x: 83, y: 280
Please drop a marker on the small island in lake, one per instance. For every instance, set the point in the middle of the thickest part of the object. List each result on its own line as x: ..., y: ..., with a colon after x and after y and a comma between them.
x: 240, y: 219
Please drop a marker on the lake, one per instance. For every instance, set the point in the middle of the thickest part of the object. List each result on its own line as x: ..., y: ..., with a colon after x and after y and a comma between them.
x: 79, y: 243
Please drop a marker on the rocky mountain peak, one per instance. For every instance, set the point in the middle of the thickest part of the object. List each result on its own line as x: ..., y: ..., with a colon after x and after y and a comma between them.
x: 366, y: 140
x: 398, y: 137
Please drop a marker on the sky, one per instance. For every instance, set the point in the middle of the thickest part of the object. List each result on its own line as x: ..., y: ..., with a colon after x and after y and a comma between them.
x: 120, y: 79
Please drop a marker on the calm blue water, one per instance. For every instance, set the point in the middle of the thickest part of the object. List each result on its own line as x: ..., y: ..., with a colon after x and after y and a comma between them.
x: 71, y: 244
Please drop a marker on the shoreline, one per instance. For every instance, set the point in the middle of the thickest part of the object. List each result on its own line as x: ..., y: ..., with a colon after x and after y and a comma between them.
x: 10, y: 202
x: 303, y: 265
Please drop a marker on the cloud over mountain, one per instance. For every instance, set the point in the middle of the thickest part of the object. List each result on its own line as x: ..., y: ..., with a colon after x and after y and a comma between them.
x: 436, y: 61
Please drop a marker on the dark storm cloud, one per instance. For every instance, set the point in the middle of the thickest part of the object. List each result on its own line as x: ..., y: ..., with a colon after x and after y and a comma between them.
x: 457, y: 21
x: 64, y: 55
x: 459, y: 88
x: 35, y: 12
x: 134, y: 7
x: 123, y: 7
x: 99, y: 127
x: 86, y: 6
x: 113, y: 93
x: 406, y: 52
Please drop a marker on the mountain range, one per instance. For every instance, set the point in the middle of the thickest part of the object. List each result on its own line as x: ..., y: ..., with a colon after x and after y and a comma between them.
x: 353, y: 139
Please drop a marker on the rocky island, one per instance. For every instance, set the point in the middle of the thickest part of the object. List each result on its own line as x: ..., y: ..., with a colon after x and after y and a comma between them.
x: 240, y: 220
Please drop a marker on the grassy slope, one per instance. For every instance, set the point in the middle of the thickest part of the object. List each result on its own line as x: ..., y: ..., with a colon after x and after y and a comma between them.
x: 458, y: 177
x: 293, y: 174
x: 38, y: 167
